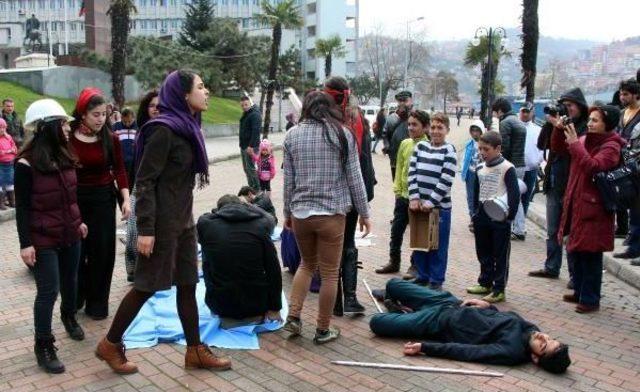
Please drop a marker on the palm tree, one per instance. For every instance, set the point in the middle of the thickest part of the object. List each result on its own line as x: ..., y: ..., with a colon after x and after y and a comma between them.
x: 283, y: 15
x: 477, y: 55
x: 330, y: 48
x: 529, y: 54
x: 120, y: 13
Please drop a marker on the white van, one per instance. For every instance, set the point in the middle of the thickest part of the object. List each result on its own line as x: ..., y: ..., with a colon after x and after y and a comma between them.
x: 370, y: 112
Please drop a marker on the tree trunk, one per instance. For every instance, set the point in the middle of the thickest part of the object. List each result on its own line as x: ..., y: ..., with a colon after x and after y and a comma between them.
x: 528, y: 59
x: 119, y: 36
x: 327, y: 66
x: 271, y: 83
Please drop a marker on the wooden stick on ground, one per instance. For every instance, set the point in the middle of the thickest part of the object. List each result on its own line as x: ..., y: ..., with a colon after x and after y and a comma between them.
x: 375, y: 301
x: 418, y: 368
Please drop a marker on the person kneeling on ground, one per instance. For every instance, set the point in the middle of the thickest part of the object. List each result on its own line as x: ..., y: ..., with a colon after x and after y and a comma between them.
x: 239, y: 262
x: 259, y: 199
x: 471, y: 330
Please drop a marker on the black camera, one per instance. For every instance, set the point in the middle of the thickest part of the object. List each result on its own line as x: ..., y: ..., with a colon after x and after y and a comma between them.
x: 555, y: 109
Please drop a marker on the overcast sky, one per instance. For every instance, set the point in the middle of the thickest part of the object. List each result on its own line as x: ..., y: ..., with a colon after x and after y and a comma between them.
x: 600, y: 20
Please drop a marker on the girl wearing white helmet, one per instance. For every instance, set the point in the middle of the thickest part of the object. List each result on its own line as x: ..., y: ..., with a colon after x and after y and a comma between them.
x: 49, y: 224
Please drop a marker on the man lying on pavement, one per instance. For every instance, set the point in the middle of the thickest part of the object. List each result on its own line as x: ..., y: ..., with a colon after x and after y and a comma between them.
x: 472, y: 331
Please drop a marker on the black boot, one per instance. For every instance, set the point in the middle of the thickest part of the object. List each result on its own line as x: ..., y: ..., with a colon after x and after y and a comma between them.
x: 72, y: 327
x: 350, y: 267
x: 46, y: 355
x: 391, y: 267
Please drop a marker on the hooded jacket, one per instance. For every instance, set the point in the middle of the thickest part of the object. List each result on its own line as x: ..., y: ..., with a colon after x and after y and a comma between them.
x: 470, y: 149
x: 240, y: 264
x: 250, y: 124
x: 514, y: 138
x: 557, y: 171
x: 589, y: 226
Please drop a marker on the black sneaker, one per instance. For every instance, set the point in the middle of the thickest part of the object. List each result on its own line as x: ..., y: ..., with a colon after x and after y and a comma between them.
x: 46, y: 355
x: 293, y: 326
x: 326, y: 336
x: 518, y: 237
x: 379, y: 294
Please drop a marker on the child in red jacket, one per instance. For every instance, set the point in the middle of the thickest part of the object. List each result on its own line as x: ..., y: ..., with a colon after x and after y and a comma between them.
x: 8, y: 151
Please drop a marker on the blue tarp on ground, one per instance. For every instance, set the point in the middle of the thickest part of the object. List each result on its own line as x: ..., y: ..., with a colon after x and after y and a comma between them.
x: 158, y: 322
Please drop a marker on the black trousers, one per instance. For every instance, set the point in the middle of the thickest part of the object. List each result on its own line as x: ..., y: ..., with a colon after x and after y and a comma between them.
x: 398, y: 226
x: 493, y: 247
x: 587, y: 277
x: 350, y: 226
x: 56, y: 270
x: 98, y: 208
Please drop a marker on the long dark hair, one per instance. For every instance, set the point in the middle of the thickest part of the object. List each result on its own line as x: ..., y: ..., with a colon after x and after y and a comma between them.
x: 143, y: 109
x: 104, y: 134
x: 319, y: 107
x: 48, y: 149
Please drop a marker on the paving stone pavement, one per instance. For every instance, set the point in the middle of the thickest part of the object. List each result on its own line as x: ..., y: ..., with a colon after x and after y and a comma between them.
x: 605, y: 347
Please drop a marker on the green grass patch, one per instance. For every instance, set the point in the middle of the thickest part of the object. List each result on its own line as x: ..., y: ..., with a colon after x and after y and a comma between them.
x: 221, y: 110
x: 23, y: 97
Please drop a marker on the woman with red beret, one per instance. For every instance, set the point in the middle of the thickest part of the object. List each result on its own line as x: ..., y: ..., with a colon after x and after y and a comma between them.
x: 100, y: 167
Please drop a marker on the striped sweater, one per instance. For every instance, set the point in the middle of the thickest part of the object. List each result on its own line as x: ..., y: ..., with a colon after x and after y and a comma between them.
x: 431, y: 173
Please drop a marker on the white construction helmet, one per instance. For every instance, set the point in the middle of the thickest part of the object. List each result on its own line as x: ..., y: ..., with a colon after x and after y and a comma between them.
x: 44, y: 110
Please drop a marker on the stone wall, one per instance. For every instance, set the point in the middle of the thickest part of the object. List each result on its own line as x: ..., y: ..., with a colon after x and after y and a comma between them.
x: 68, y: 81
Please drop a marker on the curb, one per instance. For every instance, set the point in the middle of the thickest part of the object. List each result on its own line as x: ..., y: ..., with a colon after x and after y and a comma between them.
x: 621, y: 270
x: 10, y: 214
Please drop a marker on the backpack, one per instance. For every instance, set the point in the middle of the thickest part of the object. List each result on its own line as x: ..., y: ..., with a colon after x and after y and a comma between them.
x: 619, y: 188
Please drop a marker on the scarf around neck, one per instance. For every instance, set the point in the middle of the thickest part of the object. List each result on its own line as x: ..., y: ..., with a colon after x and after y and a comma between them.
x: 176, y: 115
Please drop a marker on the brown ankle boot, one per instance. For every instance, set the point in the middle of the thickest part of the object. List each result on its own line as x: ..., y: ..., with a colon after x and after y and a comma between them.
x: 391, y: 267
x: 113, y: 355
x: 201, y: 357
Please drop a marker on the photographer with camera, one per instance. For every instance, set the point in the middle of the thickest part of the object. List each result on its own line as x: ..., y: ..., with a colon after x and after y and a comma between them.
x: 571, y: 108
x: 585, y: 221
x: 629, y: 129
x: 514, y: 139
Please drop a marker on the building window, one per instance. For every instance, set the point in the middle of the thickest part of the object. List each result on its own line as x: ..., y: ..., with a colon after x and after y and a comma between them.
x: 245, y: 2
x: 153, y: 3
x: 234, y: 2
x: 246, y: 22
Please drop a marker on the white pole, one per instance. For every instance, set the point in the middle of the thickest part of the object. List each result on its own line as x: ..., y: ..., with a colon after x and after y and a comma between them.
x: 66, y: 28
x: 418, y: 368
x: 364, y: 281
x: 406, y: 60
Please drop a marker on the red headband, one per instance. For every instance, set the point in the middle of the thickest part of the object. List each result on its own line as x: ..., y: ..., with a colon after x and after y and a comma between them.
x: 85, y: 96
x: 335, y: 93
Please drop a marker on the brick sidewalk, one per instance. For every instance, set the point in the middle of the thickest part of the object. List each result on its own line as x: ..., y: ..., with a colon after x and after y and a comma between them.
x: 605, y: 347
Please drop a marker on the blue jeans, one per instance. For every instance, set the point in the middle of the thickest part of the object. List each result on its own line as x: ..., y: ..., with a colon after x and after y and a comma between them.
x: 432, y: 265
x: 530, y: 177
x: 423, y: 321
x: 56, y: 270
x: 470, y: 183
x: 6, y: 176
x: 587, y: 277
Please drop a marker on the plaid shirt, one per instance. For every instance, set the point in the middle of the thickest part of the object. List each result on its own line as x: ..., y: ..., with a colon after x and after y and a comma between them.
x: 314, y: 178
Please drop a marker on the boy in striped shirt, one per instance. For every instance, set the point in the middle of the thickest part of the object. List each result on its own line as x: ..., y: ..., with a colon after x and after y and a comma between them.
x: 431, y: 172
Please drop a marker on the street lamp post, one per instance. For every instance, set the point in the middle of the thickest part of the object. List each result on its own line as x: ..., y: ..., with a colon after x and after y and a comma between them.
x: 490, y: 33
x: 406, y: 52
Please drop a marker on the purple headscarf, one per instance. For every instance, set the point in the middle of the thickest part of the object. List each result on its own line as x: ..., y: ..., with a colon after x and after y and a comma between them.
x: 176, y: 115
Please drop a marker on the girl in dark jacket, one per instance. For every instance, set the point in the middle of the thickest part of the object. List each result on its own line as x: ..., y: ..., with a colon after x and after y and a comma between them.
x: 100, y: 165
x: 148, y: 110
x: 171, y: 153
x: 49, y: 224
x: 587, y: 224
x: 338, y: 88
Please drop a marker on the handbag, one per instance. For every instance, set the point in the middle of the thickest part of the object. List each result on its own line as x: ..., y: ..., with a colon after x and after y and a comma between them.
x: 619, y: 188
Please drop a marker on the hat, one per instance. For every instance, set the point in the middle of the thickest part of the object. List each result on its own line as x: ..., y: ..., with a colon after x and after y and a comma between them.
x: 611, y: 115
x: 44, y: 110
x: 527, y: 106
x: 478, y: 124
x: 403, y: 95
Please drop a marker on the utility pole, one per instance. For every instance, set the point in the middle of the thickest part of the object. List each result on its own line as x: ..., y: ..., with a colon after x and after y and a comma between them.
x: 406, y: 52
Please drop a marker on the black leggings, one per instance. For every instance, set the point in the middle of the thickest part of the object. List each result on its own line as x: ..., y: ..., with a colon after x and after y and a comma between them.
x: 135, y: 299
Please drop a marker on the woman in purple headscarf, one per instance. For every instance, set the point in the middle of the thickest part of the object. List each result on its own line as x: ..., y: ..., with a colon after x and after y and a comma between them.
x: 171, y: 155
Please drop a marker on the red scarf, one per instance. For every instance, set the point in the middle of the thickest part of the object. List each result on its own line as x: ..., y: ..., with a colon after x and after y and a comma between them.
x: 354, y: 124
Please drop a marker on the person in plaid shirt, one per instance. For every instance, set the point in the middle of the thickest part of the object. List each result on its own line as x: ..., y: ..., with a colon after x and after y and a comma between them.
x: 322, y: 183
